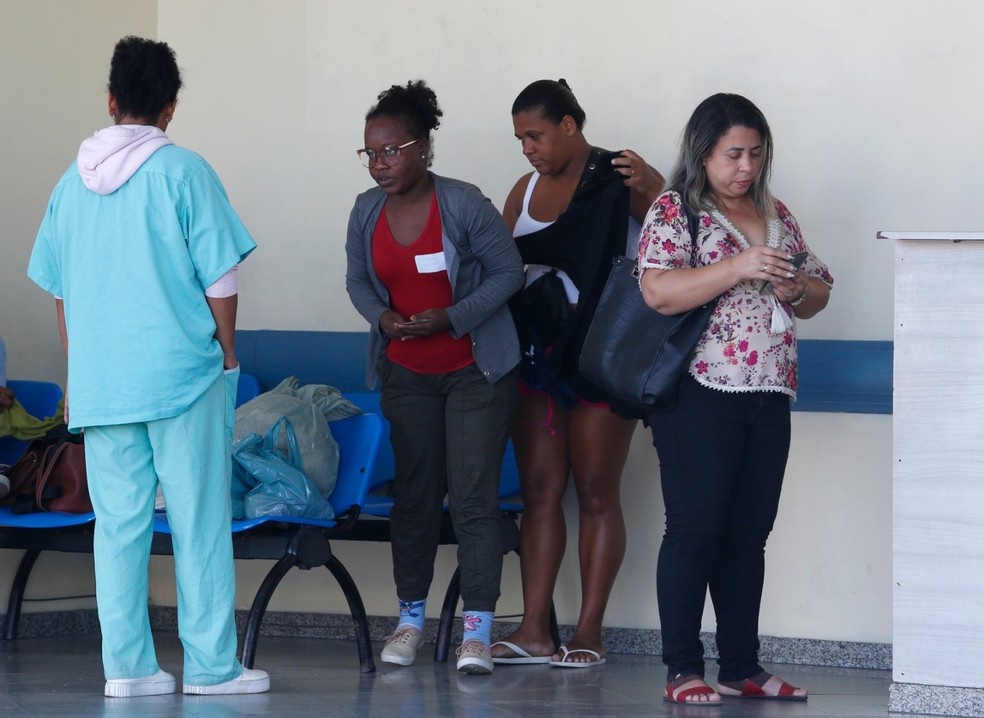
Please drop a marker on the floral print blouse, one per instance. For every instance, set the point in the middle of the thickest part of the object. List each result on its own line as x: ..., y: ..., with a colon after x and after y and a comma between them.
x: 738, y: 351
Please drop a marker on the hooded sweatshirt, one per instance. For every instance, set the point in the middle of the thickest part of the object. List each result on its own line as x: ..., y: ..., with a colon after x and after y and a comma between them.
x: 111, y: 156
x: 135, y: 232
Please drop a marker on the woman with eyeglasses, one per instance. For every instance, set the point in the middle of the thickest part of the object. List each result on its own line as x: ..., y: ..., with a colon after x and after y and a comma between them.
x: 570, y: 216
x: 431, y: 265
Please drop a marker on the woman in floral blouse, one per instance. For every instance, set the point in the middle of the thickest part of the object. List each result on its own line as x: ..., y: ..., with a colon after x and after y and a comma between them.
x: 723, y: 446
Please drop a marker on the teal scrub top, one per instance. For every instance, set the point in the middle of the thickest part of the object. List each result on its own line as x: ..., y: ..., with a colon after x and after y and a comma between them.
x: 132, y: 268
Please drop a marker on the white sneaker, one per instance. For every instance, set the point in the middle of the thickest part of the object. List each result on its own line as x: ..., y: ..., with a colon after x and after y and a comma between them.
x: 475, y: 657
x: 252, y: 680
x: 159, y: 684
x: 401, y: 648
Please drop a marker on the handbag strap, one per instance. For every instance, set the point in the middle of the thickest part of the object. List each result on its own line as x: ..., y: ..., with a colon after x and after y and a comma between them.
x: 49, y: 460
x: 692, y: 226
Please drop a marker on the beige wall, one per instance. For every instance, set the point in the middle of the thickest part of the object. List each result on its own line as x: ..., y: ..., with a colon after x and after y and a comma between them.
x: 54, y: 60
x: 871, y: 105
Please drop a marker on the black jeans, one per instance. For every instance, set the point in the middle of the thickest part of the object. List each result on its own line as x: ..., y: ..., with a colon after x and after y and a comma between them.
x: 722, y: 459
x: 449, y: 432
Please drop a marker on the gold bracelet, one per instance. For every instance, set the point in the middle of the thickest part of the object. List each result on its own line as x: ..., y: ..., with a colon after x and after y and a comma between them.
x: 802, y: 297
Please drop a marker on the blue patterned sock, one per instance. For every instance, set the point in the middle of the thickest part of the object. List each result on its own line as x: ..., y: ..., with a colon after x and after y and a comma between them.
x: 478, y: 626
x: 412, y: 613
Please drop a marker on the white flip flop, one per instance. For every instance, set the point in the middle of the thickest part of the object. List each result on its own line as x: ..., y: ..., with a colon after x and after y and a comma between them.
x: 564, y: 663
x: 522, y: 657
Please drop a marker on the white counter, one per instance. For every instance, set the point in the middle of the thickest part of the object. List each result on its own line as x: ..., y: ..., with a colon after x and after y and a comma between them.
x: 938, y: 473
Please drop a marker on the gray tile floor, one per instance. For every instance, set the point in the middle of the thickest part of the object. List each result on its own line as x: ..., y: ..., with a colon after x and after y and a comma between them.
x: 62, y: 677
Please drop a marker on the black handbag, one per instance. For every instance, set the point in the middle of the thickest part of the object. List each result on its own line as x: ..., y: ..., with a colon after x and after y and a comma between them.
x: 633, y: 352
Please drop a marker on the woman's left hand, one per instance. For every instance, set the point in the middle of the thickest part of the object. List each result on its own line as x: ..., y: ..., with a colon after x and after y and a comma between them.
x: 789, y: 290
x: 423, y: 324
x: 638, y: 175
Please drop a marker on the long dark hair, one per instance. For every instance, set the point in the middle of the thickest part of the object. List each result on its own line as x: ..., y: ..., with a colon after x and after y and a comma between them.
x: 712, y: 118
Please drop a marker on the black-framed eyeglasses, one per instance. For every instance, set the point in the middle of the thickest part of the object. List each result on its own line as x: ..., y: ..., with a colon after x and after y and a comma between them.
x: 389, y: 153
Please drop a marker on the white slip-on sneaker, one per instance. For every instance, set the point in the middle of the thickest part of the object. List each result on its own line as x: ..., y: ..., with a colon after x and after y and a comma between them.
x: 252, y: 680
x: 401, y: 648
x: 159, y: 684
x: 475, y: 657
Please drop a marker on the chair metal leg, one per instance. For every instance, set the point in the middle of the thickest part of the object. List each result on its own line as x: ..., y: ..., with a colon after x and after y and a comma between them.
x: 17, y: 593
x: 357, y: 608
x: 442, y: 647
x: 260, y: 602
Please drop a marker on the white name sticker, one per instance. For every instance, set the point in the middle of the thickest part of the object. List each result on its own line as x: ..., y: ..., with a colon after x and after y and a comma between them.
x: 430, y: 263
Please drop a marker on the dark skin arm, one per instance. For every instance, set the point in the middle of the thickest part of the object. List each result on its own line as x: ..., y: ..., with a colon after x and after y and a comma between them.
x: 6, y: 398
x: 63, y: 331
x: 224, y: 313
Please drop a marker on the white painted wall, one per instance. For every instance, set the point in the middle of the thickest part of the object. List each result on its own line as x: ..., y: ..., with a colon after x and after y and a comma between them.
x: 54, y: 63
x: 871, y: 105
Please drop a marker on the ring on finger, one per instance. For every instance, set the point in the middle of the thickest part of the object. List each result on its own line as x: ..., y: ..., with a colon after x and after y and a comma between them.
x: 765, y: 267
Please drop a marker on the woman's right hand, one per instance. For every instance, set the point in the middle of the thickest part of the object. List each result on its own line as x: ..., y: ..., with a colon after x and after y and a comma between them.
x: 761, y: 263
x: 6, y: 398
x: 389, y: 323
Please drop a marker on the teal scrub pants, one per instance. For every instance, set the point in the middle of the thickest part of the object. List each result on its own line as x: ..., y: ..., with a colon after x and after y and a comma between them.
x: 189, y: 455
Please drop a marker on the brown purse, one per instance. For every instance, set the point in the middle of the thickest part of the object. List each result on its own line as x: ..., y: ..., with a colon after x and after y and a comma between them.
x: 23, y: 474
x: 62, y: 484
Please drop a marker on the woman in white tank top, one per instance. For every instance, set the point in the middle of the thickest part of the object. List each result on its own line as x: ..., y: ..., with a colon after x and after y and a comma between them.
x: 585, y: 437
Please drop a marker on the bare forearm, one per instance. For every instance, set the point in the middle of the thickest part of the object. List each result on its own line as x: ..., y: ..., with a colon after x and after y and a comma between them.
x: 224, y: 313
x: 673, y: 291
x: 62, y: 330
x: 816, y: 298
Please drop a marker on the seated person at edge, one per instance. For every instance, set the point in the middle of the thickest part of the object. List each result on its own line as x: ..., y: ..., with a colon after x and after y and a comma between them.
x: 572, y: 214
x: 431, y: 266
x: 723, y: 446
x: 139, y: 246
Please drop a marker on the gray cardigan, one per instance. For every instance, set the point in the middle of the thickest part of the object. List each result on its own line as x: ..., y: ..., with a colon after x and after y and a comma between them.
x: 483, y: 265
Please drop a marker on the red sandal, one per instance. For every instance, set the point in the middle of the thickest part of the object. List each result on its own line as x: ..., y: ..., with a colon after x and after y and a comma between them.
x: 682, y: 688
x: 774, y: 689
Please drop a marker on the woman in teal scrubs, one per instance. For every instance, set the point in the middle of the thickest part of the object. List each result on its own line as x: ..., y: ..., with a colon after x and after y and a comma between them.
x: 140, y: 246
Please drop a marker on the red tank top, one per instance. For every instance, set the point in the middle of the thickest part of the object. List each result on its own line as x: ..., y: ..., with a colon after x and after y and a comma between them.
x: 417, y: 279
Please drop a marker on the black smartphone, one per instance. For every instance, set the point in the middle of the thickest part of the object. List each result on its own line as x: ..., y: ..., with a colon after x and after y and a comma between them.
x: 797, y: 262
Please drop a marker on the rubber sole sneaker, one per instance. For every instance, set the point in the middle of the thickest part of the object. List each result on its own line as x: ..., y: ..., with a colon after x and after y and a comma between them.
x: 251, y: 680
x: 401, y: 648
x: 475, y: 657
x: 159, y: 684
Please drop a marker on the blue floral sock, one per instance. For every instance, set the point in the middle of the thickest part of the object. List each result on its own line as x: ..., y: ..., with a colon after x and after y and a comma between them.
x: 478, y: 626
x: 412, y: 613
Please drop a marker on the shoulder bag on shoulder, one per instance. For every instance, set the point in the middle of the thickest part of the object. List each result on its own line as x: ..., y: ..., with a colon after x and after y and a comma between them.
x: 633, y: 352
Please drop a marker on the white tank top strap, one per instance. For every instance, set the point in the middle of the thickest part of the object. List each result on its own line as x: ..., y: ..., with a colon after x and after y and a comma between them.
x: 524, y: 223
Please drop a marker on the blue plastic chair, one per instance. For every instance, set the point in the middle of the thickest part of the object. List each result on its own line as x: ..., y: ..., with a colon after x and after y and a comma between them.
x: 40, y: 398
x: 508, y: 486
x: 248, y: 388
